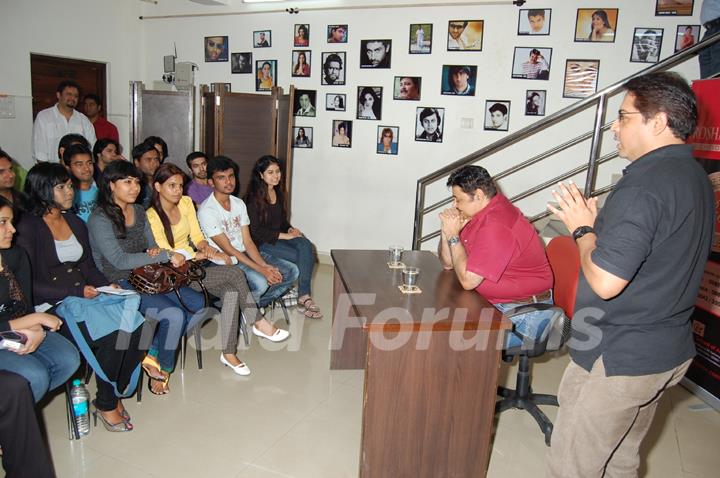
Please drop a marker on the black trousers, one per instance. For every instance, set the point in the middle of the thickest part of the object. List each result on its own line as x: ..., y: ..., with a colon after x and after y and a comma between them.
x: 23, y: 448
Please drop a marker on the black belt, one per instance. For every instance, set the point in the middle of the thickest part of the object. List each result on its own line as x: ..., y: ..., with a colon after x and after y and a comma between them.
x: 533, y: 299
x: 712, y: 24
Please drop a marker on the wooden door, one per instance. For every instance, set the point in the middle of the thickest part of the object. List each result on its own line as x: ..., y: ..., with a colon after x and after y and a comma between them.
x: 46, y: 72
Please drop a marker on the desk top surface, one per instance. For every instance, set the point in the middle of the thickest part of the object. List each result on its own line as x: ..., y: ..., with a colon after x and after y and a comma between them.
x: 442, y: 305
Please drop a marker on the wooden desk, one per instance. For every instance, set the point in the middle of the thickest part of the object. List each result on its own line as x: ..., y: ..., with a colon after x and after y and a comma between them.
x: 432, y: 361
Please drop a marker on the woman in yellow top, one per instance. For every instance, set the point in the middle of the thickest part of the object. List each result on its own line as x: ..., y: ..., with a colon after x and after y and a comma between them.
x: 264, y: 77
x: 175, y: 226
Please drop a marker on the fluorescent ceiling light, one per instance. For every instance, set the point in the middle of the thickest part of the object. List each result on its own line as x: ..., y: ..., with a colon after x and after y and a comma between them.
x: 261, y: 1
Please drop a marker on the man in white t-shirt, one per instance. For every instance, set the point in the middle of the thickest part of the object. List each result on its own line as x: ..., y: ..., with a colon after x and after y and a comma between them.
x: 225, y: 222
x: 53, y: 123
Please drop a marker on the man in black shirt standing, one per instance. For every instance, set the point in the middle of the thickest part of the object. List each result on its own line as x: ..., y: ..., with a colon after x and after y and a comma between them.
x: 642, y: 258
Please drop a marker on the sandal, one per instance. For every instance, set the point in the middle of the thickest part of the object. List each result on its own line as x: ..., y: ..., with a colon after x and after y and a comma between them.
x: 150, y: 361
x: 309, y: 308
x: 165, y: 389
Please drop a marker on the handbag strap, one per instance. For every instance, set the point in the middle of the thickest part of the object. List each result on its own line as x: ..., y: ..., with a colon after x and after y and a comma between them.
x: 195, y: 273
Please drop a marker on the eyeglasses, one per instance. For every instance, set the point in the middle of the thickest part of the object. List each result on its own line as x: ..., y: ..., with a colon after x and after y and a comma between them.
x: 622, y: 114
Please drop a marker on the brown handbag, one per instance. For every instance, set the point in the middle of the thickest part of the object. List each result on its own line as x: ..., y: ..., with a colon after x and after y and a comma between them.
x: 162, y: 278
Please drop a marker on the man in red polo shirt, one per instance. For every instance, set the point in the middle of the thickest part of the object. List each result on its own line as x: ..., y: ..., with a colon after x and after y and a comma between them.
x: 495, y: 250
x: 92, y: 104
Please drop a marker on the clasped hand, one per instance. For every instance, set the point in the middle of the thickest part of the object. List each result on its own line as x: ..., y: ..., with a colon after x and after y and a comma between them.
x: 451, y: 222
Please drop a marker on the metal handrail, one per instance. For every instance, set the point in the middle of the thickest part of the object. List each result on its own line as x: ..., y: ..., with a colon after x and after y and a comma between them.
x: 598, y: 99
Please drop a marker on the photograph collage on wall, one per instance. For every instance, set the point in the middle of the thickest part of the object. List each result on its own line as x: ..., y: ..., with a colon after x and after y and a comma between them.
x: 581, y: 78
x: 420, y: 39
x: 465, y: 35
x: 535, y: 102
x: 388, y: 139
x: 216, y: 49
x: 531, y: 63
x: 680, y: 8
x: 301, y: 62
x: 459, y: 80
x: 646, y: 45
x: 369, y: 102
x: 429, y: 124
x: 265, y: 75
x: 333, y: 68
x: 407, y: 88
x: 335, y: 101
x: 342, y: 133
x: 241, y: 62
x: 302, y: 137
x: 497, y: 115
x: 305, y: 101
x: 596, y: 25
x: 534, y: 21
x: 375, y: 53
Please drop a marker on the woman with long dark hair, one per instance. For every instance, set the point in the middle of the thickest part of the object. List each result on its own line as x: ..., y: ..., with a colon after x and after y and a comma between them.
x: 57, y: 244
x: 368, y: 104
x: 121, y: 240
x: 301, y: 68
x: 175, y: 226
x: 272, y: 232
x: 600, y: 28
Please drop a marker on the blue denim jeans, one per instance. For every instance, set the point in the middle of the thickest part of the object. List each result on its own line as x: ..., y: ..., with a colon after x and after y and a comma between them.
x: 172, y: 320
x: 264, y: 293
x: 530, y: 325
x: 50, y: 366
x: 709, y: 58
x: 300, y: 252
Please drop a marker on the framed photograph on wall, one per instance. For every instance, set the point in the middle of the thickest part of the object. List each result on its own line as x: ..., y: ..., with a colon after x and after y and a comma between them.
x: 265, y: 75
x: 420, y: 39
x: 388, y: 138
x: 646, y: 45
x: 369, y: 102
x: 596, y: 25
x: 581, y: 78
x: 679, y: 8
x: 333, y: 68
x: 531, y: 63
x: 429, y: 124
x: 335, y: 101
x: 305, y: 101
x: 497, y: 115
x: 301, y: 63
x: 262, y: 39
x: 342, y: 133
x: 375, y: 53
x: 216, y: 49
x: 301, y: 35
x: 407, y: 88
x: 535, y: 102
x: 534, y: 21
x: 686, y: 36
x: 302, y: 137
x: 337, y: 33
x: 465, y: 35
x: 241, y: 62
x: 458, y: 80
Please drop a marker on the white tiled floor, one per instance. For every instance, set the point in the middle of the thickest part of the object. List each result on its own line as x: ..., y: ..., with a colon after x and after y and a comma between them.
x: 295, y: 418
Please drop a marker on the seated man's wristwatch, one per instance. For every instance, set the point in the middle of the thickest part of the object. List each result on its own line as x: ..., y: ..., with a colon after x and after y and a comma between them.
x: 453, y: 240
x: 581, y: 231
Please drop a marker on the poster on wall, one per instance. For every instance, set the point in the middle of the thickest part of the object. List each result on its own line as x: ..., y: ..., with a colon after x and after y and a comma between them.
x: 388, y: 138
x: 302, y: 137
x: 262, y: 39
x: 334, y: 101
x: 301, y: 61
x: 596, y: 25
x: 407, y: 88
x: 646, y: 45
x: 302, y: 35
x: 531, y: 63
x: 535, y: 102
x: 333, y: 68
x: 686, y: 36
x: 241, y: 62
x: 337, y: 33
x: 581, y: 78
x: 375, y: 53
x: 497, y: 115
x: 465, y: 35
x: 342, y: 133
x: 459, y: 80
x: 680, y: 8
x: 429, y: 124
x: 265, y: 74
x: 420, y: 39
x: 304, y: 103
x: 216, y: 49
x: 369, y: 102
x: 534, y: 21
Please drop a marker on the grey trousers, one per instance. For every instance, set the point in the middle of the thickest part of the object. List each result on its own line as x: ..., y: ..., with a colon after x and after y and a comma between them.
x: 602, y: 421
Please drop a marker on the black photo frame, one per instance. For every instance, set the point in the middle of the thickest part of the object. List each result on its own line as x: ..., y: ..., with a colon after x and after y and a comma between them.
x: 535, y: 102
x: 407, y: 88
x: 458, y: 80
x: 391, y: 132
x: 429, y: 124
x: 334, y: 67
x: 335, y: 102
x: 241, y: 63
x: 585, y: 27
x: 216, y: 48
x: 534, y: 21
x: 646, y: 45
x: 261, y: 80
x: 305, y: 103
x: 372, y: 96
x: 465, y: 35
x: 301, y: 70
x: 676, y: 8
x: 581, y: 78
x: 262, y: 39
x: 497, y: 115
x: 532, y: 63
x: 420, y: 39
x: 304, y: 141
x: 341, y: 140
x: 376, y: 54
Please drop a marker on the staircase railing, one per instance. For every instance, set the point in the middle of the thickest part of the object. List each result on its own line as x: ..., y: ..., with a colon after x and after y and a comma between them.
x: 599, y: 100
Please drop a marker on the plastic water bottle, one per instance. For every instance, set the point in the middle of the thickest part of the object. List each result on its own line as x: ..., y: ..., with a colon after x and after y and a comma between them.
x: 80, y: 400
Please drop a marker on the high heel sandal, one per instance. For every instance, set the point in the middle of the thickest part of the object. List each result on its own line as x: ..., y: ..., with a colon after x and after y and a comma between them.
x: 123, y: 426
x: 309, y: 308
x: 147, y: 362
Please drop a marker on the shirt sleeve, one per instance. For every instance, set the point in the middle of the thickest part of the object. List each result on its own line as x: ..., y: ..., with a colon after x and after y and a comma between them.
x: 89, y: 131
x: 209, y: 220
x: 39, y: 146
x: 489, y: 254
x: 187, y: 210
x: 158, y: 231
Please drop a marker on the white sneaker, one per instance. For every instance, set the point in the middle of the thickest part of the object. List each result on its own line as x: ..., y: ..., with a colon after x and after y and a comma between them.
x: 241, y: 369
x: 278, y: 336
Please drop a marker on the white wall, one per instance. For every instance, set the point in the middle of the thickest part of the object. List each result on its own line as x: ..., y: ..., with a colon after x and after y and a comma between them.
x: 344, y: 198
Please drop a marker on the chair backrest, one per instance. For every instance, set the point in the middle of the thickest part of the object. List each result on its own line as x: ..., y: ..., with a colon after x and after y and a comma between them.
x: 564, y: 260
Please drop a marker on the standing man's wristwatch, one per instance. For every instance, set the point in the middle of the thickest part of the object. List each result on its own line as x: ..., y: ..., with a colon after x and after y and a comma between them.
x: 581, y: 231
x: 453, y: 240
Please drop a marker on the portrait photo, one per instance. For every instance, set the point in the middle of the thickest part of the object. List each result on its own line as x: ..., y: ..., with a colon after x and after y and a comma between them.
x: 387, y: 139
x: 581, y: 78
x: 302, y: 137
x: 216, y: 49
x: 465, y: 35
x: 342, y: 133
x: 686, y: 36
x: 301, y: 61
x: 596, y: 25
x: 407, y: 88
x: 535, y: 102
x: 335, y: 101
x: 646, y: 45
x: 531, y: 63
x: 369, y: 102
x: 302, y: 35
x: 375, y: 53
x: 305, y: 103
x: 262, y: 39
x: 241, y: 62
x: 333, y: 68
x: 337, y: 33
x: 680, y: 8
x: 497, y: 115
x: 534, y: 21
x: 459, y: 80
x: 429, y: 124
x: 265, y: 75
x: 420, y: 39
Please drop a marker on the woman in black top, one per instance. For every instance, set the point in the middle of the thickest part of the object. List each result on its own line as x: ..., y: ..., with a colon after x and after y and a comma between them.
x: 272, y: 232
x: 46, y: 359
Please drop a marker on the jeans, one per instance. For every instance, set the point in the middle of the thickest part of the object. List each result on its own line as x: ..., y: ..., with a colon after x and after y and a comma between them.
x: 300, y: 252
x: 172, y: 320
x: 264, y: 293
x: 50, y: 366
x: 709, y: 58
x: 531, y: 325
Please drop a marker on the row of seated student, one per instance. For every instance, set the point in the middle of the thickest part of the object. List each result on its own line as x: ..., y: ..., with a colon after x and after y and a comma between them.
x: 121, y: 235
